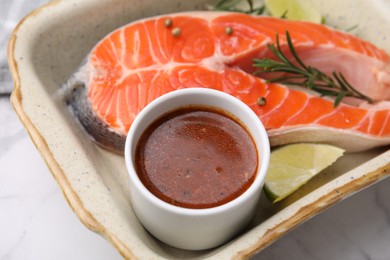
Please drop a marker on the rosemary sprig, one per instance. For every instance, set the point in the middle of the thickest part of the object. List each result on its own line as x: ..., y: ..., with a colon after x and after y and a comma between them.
x: 231, y: 5
x: 300, y: 74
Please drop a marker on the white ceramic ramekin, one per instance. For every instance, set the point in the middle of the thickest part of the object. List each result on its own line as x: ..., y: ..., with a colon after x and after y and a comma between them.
x: 195, y: 229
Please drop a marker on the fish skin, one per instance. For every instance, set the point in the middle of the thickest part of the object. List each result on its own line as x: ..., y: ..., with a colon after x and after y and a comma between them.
x: 99, y: 130
x: 143, y: 60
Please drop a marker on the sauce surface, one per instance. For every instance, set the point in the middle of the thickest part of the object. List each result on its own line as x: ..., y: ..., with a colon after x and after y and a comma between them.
x: 196, y: 157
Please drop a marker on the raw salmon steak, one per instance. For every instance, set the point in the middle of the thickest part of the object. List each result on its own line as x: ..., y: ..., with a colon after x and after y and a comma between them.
x: 139, y: 62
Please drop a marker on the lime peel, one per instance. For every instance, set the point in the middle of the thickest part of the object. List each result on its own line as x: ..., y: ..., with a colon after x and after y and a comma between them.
x: 294, y: 165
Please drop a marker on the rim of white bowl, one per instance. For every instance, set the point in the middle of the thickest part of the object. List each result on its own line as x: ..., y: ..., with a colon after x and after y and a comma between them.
x: 263, y: 163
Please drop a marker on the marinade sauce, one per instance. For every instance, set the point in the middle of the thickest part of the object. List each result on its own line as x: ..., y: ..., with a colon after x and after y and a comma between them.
x: 196, y: 157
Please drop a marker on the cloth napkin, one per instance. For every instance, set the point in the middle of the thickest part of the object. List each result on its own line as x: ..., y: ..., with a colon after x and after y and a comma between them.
x: 11, y: 12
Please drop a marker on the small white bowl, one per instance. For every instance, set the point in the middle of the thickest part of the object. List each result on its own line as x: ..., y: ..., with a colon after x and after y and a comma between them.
x: 186, y: 228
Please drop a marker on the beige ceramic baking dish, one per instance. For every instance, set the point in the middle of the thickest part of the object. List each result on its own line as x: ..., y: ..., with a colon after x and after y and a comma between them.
x: 47, y: 47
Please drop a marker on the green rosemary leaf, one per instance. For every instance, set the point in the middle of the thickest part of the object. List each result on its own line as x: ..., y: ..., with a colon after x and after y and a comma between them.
x: 338, y: 98
x: 250, y: 3
x: 266, y: 63
x: 279, y: 53
x: 293, y: 52
x: 231, y: 5
x: 286, y: 70
x: 227, y: 3
x: 269, y: 65
x: 258, y: 11
x: 340, y: 80
x: 310, y: 82
x: 284, y: 15
x: 352, y: 28
x: 284, y: 79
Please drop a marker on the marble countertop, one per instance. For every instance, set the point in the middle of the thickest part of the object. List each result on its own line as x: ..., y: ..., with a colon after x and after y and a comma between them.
x: 37, y: 223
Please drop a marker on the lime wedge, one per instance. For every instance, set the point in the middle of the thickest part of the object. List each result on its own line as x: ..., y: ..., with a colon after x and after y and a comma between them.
x: 300, y: 10
x: 293, y: 165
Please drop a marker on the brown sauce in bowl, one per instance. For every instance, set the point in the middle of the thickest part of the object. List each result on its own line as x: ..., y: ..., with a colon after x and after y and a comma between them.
x: 196, y: 157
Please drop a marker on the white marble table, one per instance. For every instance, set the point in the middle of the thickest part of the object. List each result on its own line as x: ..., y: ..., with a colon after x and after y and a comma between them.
x: 37, y: 223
